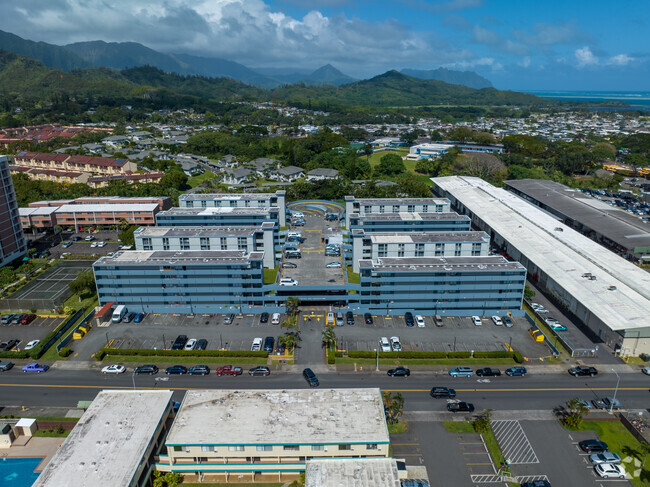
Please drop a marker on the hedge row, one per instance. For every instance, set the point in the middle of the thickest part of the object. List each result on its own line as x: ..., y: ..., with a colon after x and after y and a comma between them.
x: 516, y: 356
x: 147, y: 352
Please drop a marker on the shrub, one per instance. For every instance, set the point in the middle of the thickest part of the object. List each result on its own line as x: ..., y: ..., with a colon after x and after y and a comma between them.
x: 100, y: 355
x: 147, y: 352
x: 64, y: 352
x: 331, y: 357
x: 459, y: 354
x: 494, y: 354
x: 645, y: 357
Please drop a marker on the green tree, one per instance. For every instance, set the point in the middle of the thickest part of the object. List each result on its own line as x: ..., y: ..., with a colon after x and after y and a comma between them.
x: 528, y: 292
x: 329, y: 336
x: 482, y: 424
x: 174, y: 178
x: 169, y: 479
x: 390, y: 165
x: 126, y: 234
x: 289, y: 340
x: 367, y: 150
x: 85, y: 282
x: 603, y: 151
x: 575, y: 413
x: 393, y: 406
x: 292, y: 305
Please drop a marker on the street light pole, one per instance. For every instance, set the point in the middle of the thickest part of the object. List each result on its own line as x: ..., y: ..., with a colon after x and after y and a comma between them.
x: 377, y: 367
x: 133, y: 377
x: 618, y: 379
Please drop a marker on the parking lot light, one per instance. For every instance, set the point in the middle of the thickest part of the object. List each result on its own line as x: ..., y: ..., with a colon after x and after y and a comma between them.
x: 618, y: 379
x: 377, y: 367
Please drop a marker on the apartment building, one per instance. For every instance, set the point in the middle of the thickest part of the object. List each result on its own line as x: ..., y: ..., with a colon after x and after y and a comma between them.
x: 237, y: 200
x: 365, y: 206
x: 74, y: 163
x: 12, y: 239
x: 409, y: 222
x: 269, y: 435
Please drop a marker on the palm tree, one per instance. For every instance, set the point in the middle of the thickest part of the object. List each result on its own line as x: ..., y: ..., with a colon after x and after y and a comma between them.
x: 289, y: 341
x: 292, y: 304
x: 328, y: 336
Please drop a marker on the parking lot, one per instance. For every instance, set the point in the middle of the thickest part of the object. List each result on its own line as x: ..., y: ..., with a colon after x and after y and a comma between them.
x: 36, y: 330
x: 81, y: 247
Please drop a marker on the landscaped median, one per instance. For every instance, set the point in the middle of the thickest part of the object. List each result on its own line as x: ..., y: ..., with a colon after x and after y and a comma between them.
x: 236, y: 357
x: 497, y: 357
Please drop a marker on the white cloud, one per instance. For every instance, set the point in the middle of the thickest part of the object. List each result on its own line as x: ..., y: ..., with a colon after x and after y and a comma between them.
x: 585, y: 57
x: 620, y: 60
x: 489, y: 62
x: 525, y: 62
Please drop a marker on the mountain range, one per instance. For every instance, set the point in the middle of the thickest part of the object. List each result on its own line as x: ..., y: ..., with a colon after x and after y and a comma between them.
x: 122, y: 55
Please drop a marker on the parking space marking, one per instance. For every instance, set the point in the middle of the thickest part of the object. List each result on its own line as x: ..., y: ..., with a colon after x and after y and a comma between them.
x: 514, y: 442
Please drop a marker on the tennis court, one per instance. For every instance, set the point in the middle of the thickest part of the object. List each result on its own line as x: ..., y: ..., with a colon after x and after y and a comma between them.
x: 48, y: 290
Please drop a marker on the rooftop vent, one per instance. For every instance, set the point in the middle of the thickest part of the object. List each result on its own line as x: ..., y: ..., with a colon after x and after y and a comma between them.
x: 611, y: 288
x: 559, y: 229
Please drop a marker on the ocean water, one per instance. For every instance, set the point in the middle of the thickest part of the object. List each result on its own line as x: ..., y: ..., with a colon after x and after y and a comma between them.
x: 639, y: 100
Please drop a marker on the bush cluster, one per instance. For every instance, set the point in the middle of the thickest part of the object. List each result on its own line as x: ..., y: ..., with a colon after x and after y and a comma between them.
x: 64, y: 352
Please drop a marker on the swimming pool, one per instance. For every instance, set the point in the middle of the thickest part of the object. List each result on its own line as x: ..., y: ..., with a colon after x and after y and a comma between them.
x: 18, y: 472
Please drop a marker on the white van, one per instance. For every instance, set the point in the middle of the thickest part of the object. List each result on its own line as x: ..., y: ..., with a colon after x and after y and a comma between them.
x: 294, y: 234
x: 119, y: 313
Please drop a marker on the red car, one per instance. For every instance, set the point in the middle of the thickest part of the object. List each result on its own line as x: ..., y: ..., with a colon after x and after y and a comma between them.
x: 27, y: 319
x: 228, y: 370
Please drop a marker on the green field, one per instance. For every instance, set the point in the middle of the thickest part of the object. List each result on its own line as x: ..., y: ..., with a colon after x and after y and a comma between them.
x: 410, y: 165
x: 195, y: 181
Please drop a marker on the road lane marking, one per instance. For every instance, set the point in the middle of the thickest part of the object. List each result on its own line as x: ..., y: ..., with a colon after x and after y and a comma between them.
x: 531, y: 389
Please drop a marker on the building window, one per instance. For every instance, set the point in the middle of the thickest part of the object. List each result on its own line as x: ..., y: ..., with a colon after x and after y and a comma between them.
x: 382, y: 250
x: 224, y: 243
x: 242, y: 243
x: 205, y: 243
x: 190, y: 204
x: 382, y: 209
x: 395, y: 208
x: 291, y: 448
x: 345, y: 447
x: 236, y: 448
x: 457, y: 249
x: 233, y: 203
x: 165, y: 243
x: 367, y: 209
x: 438, y: 208
x: 371, y: 446
x: 317, y: 447
x: 260, y: 203
x: 400, y: 250
x: 438, y: 249
x: 207, y: 448
x: 178, y: 448
x: 264, y: 448
x: 204, y: 203
x: 185, y: 243
x: 411, y: 208
x: 425, y: 208
x: 247, y: 203
x: 476, y: 249
x: 419, y: 250
x: 146, y: 244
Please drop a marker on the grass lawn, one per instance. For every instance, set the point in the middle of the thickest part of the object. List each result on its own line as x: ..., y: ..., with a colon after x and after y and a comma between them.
x: 399, y: 427
x: 195, y: 181
x: 621, y: 441
x: 86, y: 301
x: 353, y: 277
x: 51, y: 433
x: 459, y: 426
x: 270, y: 275
x: 410, y: 165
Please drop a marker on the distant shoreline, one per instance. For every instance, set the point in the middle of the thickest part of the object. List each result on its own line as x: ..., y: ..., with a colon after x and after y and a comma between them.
x: 637, y: 100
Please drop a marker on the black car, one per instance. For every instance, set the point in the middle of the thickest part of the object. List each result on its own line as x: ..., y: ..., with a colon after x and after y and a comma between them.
x: 260, y: 370
x: 582, y: 370
x: 443, y: 392
x: 269, y: 343
x: 488, y: 372
x: 146, y: 369
x: 179, y: 343
x: 264, y: 317
x: 518, y: 370
x: 593, y: 446
x: 408, y: 317
x: 199, y: 370
x: 9, y: 345
x: 176, y: 370
x: 349, y: 318
x: 290, y: 265
x: 460, y: 407
x: 368, y: 319
x: 310, y: 377
x: 5, y: 365
x: 536, y: 483
x: 201, y: 344
x: 399, y: 372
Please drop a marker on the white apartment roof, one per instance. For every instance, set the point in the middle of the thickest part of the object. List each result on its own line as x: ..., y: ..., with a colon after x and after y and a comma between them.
x: 273, y: 417
x: 39, y: 210
x: 431, y: 146
x: 352, y: 472
x: 227, y: 196
x: 108, y: 208
x: 561, y: 252
x: 108, y: 443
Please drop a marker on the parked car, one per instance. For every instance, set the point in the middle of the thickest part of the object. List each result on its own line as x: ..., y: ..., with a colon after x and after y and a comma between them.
x: 94, y: 245
x: 146, y: 369
x: 228, y: 370
x: 114, y: 369
x: 6, y: 319
x: 290, y: 265
x: 538, y: 308
x: 201, y: 344
x: 8, y: 345
x: 488, y: 372
x: 395, y: 344
x: 138, y: 318
x: 191, y: 343
x: 228, y: 319
x: 536, y: 483
x: 460, y: 407
x: 89, y: 238
x: 199, y: 370
x: 332, y: 253
x: 610, y: 470
x: 35, y: 367
x: 257, y: 345
x: 507, y: 321
x: 461, y: 372
x: 333, y: 265
x: 6, y: 365
x: 128, y: 317
x: 497, y: 320
x: 604, y: 457
x: 558, y: 326
x: 28, y: 319
x: 176, y: 370
x: 179, y: 343
x: 646, y: 370
x: 76, y: 238
x: 582, y: 370
x: 367, y: 317
x: 339, y: 319
x: 101, y: 244
x: 287, y: 281
x: 439, y: 392
x: 275, y: 319
x: 260, y: 370
x: 477, y: 320
x: 516, y: 371
x: 310, y: 377
x: 408, y: 318
x: 384, y: 344
x: 593, y: 446
x: 269, y: 343
x: 399, y: 372
x: 17, y: 318
x: 264, y: 317
x: 419, y: 319
x: 66, y: 244
x: 349, y: 318
x: 607, y: 403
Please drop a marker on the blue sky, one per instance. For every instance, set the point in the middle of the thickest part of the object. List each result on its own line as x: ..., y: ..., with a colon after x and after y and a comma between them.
x: 523, y: 45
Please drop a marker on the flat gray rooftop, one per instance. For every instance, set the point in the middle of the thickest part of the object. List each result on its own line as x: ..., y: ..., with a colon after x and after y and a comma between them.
x: 197, y: 231
x: 352, y: 472
x: 108, y: 208
x: 108, y: 443
x: 273, y: 417
x: 617, y: 225
x: 402, y: 201
x: 428, y: 237
x: 411, y: 216
x: 437, y: 264
x: 217, y: 211
x: 620, y: 295
x: 227, y: 196
x: 175, y: 257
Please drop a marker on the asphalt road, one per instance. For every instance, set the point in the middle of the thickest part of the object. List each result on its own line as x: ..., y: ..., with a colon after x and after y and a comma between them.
x: 64, y: 388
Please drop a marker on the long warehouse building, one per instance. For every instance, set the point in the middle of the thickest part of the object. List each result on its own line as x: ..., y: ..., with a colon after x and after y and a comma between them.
x: 608, y: 294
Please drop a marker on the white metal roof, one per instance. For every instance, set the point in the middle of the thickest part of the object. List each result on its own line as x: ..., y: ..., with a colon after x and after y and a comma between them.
x: 560, y: 252
x: 352, y: 472
x: 108, y: 208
